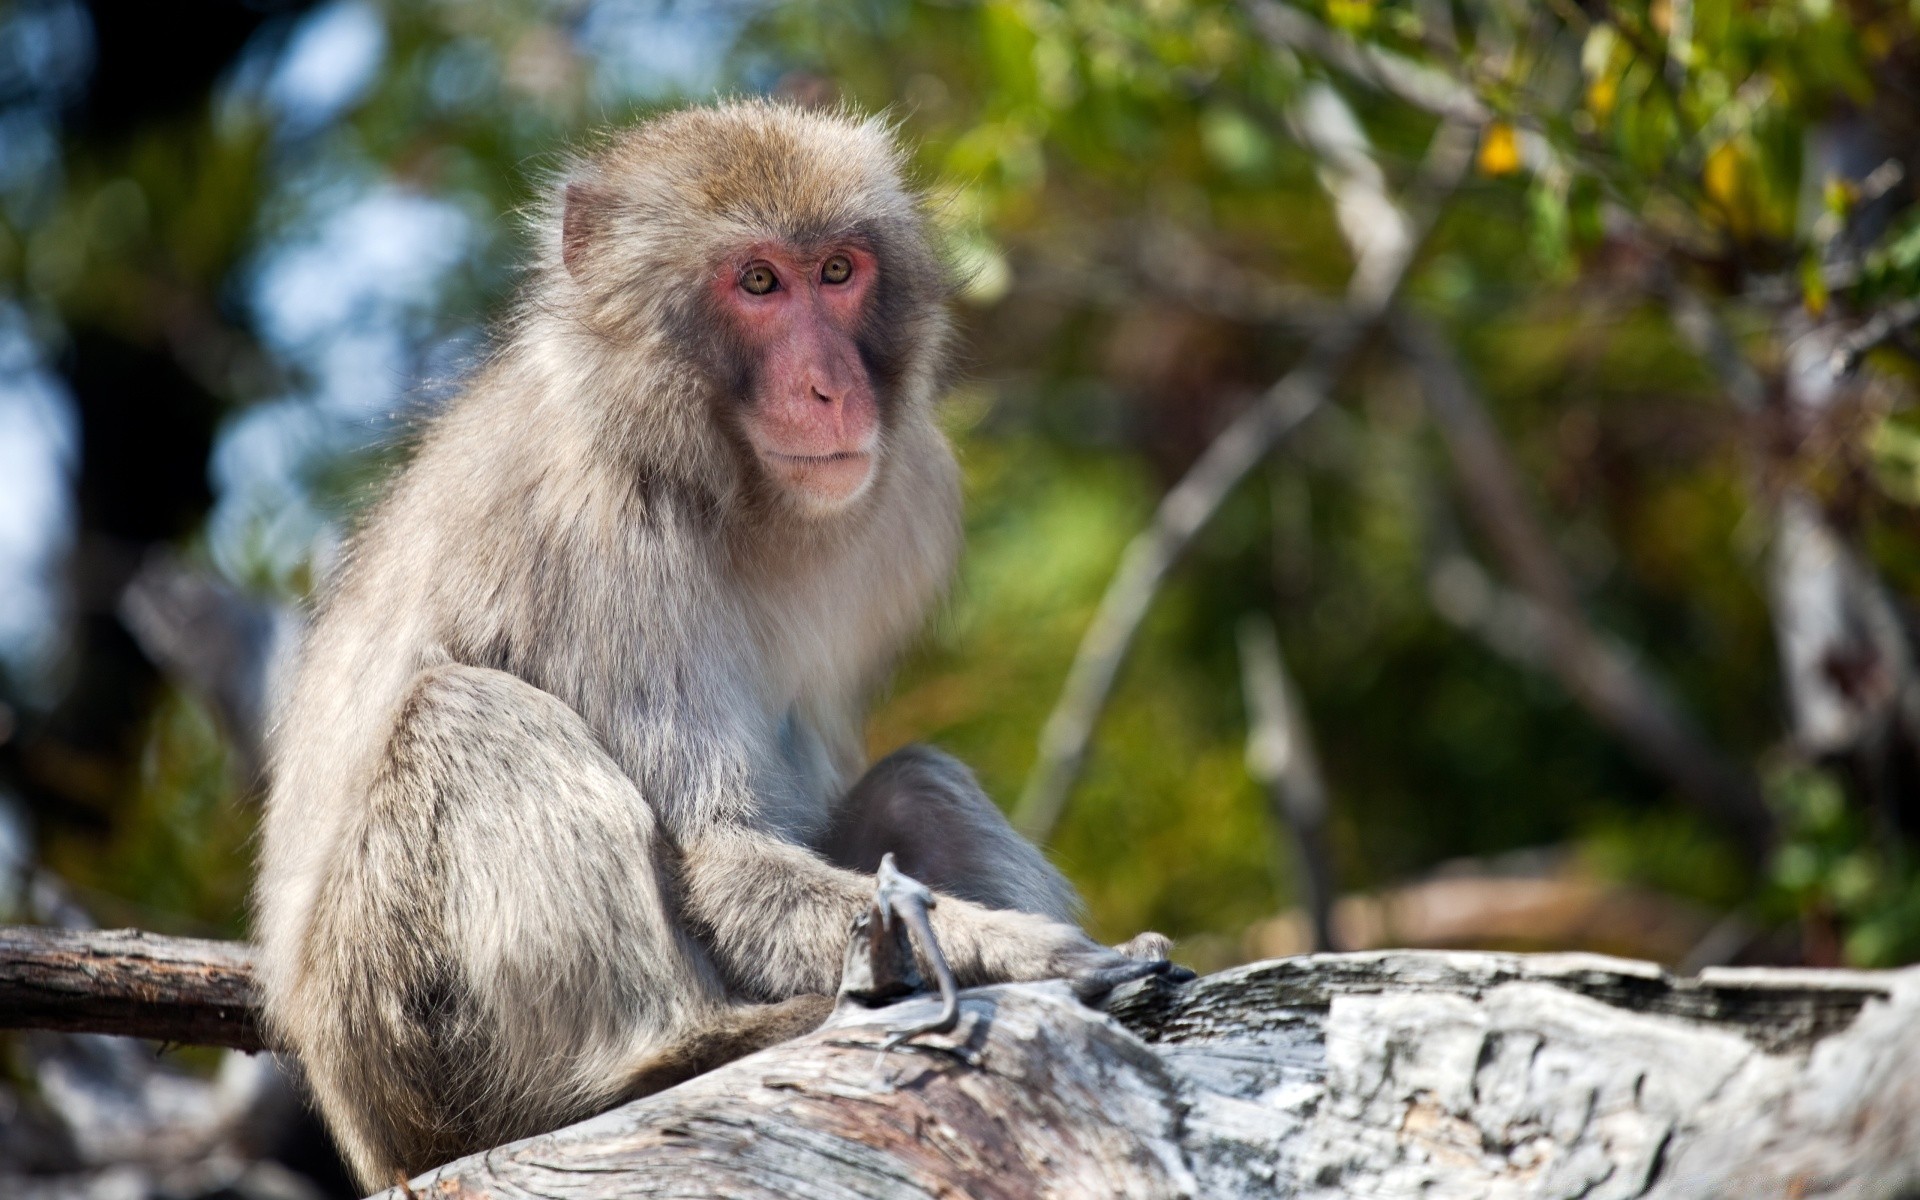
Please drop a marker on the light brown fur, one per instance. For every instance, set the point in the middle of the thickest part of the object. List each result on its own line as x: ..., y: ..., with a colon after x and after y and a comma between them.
x: 568, y: 789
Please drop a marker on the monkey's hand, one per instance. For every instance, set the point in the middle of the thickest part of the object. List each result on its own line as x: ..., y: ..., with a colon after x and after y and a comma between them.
x: 993, y: 946
x: 1001, y: 946
x: 1093, y: 977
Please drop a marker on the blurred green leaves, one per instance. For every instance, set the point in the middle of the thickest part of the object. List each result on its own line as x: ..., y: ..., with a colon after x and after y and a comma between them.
x: 179, y: 857
x: 1144, y: 244
x: 1838, y: 871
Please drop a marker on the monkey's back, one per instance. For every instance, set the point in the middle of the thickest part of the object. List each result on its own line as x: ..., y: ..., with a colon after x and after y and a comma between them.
x: 423, y: 735
x: 574, y: 631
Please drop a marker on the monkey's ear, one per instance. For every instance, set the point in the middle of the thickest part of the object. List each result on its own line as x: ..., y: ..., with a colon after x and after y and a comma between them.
x: 581, y: 222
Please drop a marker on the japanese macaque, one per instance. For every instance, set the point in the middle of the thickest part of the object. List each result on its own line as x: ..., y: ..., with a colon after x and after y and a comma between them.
x: 568, y: 798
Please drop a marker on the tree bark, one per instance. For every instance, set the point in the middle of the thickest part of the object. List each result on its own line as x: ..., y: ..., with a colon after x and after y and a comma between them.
x: 1391, y: 1073
x: 123, y: 981
x: 1386, y: 1074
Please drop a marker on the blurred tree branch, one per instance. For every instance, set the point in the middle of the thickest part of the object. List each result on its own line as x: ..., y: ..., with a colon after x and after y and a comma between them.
x: 1380, y: 269
x: 1280, y: 755
x: 1846, y: 654
x: 221, y: 645
x: 1287, y: 28
x: 1876, y: 331
x: 1167, y: 260
x: 1553, y: 634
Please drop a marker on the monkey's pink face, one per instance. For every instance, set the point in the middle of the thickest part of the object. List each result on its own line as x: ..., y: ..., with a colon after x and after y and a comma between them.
x: 813, y: 418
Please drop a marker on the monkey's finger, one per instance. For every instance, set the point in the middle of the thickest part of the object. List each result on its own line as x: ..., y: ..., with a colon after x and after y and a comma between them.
x: 1093, y: 985
x: 1147, y: 947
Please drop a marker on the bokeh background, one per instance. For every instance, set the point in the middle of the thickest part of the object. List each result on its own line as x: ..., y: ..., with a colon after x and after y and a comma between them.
x: 1466, y: 446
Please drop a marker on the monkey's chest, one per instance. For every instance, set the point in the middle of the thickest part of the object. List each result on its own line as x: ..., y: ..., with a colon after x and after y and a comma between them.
x: 801, y: 785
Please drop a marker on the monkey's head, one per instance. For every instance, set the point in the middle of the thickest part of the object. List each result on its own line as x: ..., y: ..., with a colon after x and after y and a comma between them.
x: 775, y: 257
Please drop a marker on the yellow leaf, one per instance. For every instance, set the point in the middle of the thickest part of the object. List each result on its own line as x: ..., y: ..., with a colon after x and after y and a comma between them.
x: 1722, y: 176
x: 1813, y: 286
x: 1601, y: 94
x: 1351, y: 15
x: 1839, y: 195
x: 1499, y: 150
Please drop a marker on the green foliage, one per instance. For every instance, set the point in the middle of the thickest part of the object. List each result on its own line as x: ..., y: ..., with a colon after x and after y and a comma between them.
x: 178, y: 857
x: 1671, y: 850
x: 1056, y: 120
x: 1113, y: 181
x: 1835, y: 865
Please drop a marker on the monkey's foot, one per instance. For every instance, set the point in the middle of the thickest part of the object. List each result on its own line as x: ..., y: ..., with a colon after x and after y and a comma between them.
x: 1099, y: 969
x: 881, y: 966
x: 901, y: 895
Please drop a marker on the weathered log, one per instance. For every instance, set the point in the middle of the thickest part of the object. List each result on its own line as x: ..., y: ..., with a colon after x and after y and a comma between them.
x: 1383, y: 1074
x: 123, y: 981
x: 1375, y: 1074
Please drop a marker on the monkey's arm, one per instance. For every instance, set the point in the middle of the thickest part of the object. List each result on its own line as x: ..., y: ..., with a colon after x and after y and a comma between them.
x: 777, y: 916
x: 776, y: 913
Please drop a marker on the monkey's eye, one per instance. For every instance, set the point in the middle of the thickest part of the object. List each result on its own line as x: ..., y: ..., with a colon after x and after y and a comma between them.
x: 836, y: 269
x: 759, y: 280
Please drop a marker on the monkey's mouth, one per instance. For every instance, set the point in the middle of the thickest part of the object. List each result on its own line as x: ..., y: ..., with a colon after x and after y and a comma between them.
x: 820, y: 459
x: 829, y: 478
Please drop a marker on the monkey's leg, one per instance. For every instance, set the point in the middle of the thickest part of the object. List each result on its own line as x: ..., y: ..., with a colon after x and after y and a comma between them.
x: 926, y: 808
x: 494, y: 945
x: 734, y: 1033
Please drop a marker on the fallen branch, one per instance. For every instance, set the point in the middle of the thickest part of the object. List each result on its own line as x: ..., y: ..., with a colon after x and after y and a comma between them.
x: 1550, y: 903
x: 1391, y: 1074
x: 1396, y: 1073
x: 126, y: 982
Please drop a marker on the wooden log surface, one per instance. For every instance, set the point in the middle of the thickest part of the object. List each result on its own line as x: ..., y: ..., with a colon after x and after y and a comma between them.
x: 1389, y: 1073
x: 1383, y: 1074
x: 123, y: 981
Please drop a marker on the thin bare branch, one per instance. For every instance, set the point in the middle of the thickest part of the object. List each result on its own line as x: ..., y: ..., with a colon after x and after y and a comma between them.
x: 1281, y: 757
x: 1876, y: 331
x: 1183, y: 512
x: 1710, y: 338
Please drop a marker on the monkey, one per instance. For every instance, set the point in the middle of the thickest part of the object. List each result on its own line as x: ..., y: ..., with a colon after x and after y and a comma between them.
x: 568, y: 799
